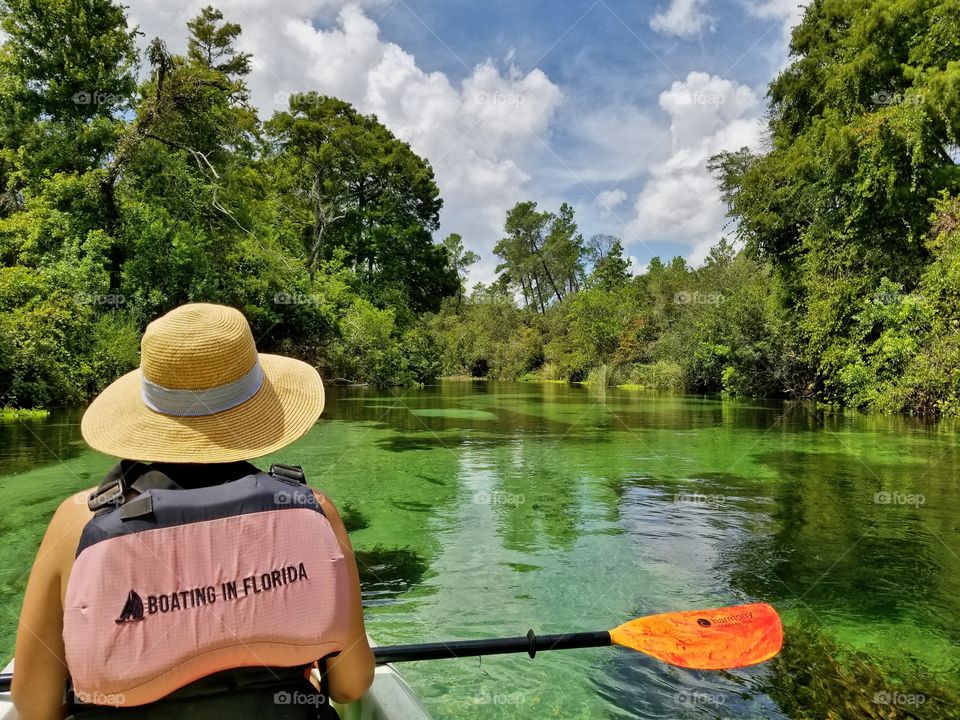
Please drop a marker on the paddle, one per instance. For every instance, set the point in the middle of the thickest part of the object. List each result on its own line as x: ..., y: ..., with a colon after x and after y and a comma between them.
x: 718, y: 639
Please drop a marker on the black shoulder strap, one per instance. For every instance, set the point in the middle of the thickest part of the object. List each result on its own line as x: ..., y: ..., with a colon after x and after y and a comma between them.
x: 128, y: 474
x: 135, y: 475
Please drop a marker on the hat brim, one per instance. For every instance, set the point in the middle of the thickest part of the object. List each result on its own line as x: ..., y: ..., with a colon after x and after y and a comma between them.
x: 285, y: 407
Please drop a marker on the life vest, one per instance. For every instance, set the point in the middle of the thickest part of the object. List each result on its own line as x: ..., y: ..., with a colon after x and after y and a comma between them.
x: 171, y: 585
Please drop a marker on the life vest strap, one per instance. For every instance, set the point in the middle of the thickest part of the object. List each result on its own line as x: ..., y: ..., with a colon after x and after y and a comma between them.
x: 128, y: 475
x: 135, y: 475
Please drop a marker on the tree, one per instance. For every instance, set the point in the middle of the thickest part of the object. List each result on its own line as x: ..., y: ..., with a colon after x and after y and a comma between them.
x: 563, y: 249
x: 66, y: 60
x: 862, y: 123
x: 542, y: 253
x: 460, y: 260
x: 598, y: 246
x: 211, y: 43
x: 119, y: 201
x: 352, y: 185
x: 169, y: 191
x: 612, y: 270
x: 60, y: 99
x: 522, y: 263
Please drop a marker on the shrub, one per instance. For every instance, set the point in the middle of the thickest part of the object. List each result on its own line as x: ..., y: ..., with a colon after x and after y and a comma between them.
x: 519, y: 354
x: 661, y: 375
x: 607, y: 375
x: 423, y: 356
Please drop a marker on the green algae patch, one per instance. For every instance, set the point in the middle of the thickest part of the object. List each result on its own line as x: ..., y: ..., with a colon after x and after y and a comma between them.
x: 454, y: 413
x: 11, y: 413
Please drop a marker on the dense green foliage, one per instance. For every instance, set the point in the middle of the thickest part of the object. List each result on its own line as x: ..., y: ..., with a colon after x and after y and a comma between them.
x: 845, y: 288
x: 852, y: 203
x: 119, y: 201
x: 718, y: 327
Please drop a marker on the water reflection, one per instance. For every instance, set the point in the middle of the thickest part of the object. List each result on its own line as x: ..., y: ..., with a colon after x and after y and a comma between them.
x: 26, y: 444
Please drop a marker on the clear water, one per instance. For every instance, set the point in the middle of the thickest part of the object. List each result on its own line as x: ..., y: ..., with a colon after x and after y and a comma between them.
x: 485, y: 509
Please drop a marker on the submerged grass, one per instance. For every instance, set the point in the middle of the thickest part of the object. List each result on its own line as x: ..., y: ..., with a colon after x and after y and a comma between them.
x: 815, y: 678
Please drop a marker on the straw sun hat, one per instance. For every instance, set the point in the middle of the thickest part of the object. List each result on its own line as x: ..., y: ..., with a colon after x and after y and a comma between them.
x: 202, y: 394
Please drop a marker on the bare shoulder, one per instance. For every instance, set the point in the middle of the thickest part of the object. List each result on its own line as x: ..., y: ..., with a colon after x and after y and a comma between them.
x: 72, y: 510
x: 67, y: 524
x: 330, y: 510
x: 333, y: 515
x: 77, y: 503
x: 325, y: 502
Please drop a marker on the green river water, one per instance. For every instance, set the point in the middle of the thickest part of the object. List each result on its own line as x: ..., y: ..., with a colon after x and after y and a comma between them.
x: 482, y: 509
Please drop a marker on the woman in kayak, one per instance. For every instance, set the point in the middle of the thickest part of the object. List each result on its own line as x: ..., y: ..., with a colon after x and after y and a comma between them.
x: 190, y: 580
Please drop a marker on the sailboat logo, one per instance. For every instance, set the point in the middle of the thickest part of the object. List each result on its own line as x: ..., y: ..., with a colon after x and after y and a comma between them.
x: 132, y: 609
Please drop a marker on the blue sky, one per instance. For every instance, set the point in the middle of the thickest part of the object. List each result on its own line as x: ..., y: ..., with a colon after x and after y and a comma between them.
x: 609, y: 105
x: 603, y: 49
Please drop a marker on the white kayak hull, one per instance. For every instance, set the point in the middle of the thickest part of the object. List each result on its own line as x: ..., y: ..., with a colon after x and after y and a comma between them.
x: 390, y: 698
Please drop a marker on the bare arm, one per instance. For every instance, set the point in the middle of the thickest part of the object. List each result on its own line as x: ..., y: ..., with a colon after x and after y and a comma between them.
x: 351, y: 672
x: 41, y: 668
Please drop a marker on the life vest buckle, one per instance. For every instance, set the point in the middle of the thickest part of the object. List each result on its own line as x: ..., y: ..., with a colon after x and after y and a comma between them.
x: 288, y: 473
x: 110, y: 493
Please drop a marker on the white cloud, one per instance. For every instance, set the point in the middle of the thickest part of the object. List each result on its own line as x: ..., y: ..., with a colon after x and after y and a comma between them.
x: 635, y: 267
x: 609, y: 199
x: 477, y: 134
x: 680, y: 201
x: 788, y: 13
x: 683, y: 18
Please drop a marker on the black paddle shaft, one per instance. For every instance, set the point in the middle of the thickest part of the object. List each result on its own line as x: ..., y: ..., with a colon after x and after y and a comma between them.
x: 529, y: 643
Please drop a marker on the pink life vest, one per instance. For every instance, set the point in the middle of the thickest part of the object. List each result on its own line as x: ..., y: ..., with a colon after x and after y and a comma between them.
x: 176, y: 584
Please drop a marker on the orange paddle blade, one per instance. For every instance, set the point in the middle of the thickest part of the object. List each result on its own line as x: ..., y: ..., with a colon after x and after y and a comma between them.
x: 706, y: 639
